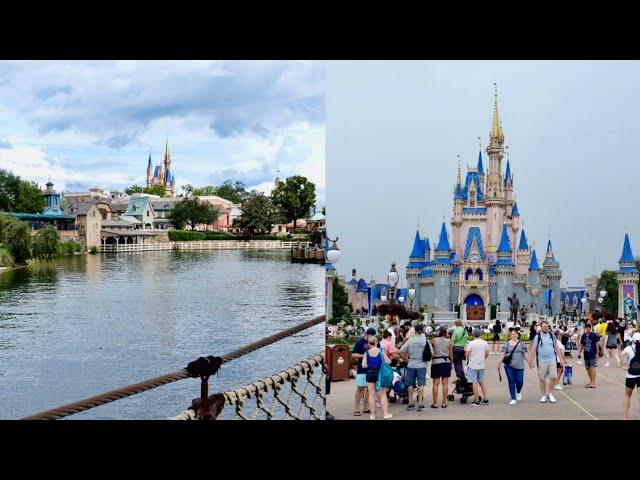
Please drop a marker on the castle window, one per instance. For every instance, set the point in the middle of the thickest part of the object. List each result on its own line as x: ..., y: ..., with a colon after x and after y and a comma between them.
x: 479, y: 273
x: 468, y: 273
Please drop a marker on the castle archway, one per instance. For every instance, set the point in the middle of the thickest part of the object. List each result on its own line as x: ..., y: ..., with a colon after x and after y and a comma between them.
x: 475, y: 307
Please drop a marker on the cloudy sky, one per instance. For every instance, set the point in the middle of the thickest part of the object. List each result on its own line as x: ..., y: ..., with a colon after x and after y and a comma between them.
x: 394, y: 130
x: 86, y: 124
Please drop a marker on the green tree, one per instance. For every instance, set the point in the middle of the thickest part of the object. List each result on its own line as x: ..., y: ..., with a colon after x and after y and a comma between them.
x: 152, y: 190
x: 235, y: 192
x: 187, y: 189
x: 341, y: 308
x: 192, y: 212
x: 259, y: 213
x: 204, y: 191
x: 45, y: 242
x: 17, y: 195
x: 608, y: 282
x: 295, y: 196
x: 17, y: 237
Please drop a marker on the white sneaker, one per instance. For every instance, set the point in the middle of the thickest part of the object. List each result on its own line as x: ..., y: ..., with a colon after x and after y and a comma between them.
x: 606, y: 364
x: 558, y: 387
x: 543, y: 399
x: 551, y: 398
x: 518, y: 396
x: 512, y: 402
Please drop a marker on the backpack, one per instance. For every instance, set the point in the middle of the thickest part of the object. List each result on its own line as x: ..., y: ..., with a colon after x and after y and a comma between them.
x: 634, y: 364
x: 426, y: 353
x: 553, y: 339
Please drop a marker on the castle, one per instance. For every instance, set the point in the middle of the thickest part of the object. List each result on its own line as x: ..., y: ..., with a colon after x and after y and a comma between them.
x: 162, y: 174
x: 486, y: 258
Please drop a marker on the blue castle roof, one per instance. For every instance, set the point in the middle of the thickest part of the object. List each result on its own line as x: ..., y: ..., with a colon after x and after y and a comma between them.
x: 426, y: 244
x: 156, y: 172
x: 458, y: 193
x: 473, y: 234
x: 443, y: 243
x: 534, y: 262
x: 362, y: 285
x: 550, y: 250
x: 514, y: 210
x: 353, y: 281
x: 149, y: 162
x: 507, y: 173
x: 505, y: 246
x: 523, y: 242
x: 627, y: 254
x: 473, y: 176
x: 418, y: 247
x: 480, y: 167
x: 426, y: 273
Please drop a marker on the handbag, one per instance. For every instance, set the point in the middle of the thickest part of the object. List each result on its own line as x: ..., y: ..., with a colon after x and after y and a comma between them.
x: 385, y: 376
x: 507, y: 358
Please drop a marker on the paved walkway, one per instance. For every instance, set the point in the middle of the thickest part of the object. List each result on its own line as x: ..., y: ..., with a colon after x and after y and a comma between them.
x: 575, y: 402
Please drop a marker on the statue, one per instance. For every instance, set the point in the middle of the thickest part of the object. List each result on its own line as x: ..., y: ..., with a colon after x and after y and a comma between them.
x: 515, y: 305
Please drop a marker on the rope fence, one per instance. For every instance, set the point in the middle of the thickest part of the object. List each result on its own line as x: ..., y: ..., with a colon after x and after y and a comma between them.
x: 113, y: 395
x: 295, y: 393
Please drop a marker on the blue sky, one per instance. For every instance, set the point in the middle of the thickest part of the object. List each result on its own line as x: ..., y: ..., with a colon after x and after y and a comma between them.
x: 394, y: 129
x: 93, y: 123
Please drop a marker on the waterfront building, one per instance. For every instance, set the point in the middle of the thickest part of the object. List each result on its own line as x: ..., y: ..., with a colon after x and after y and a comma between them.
x: 140, y: 212
x: 94, y: 194
x: 227, y: 211
x: 316, y: 222
x: 486, y: 257
x: 88, y: 224
x: 162, y: 174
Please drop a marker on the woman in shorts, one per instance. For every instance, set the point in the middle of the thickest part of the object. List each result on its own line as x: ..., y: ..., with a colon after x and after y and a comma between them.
x: 497, y: 330
x: 441, y: 365
x: 631, y: 381
x: 372, y: 360
x: 612, y: 343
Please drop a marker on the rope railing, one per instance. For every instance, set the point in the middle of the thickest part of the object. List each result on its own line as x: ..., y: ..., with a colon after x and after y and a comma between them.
x: 113, y: 395
x: 310, y: 400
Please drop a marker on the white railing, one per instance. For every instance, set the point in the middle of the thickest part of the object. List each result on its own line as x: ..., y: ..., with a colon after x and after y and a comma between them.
x: 204, y: 245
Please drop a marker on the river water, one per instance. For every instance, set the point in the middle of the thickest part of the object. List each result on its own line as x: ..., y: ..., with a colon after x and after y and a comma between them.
x: 78, y: 326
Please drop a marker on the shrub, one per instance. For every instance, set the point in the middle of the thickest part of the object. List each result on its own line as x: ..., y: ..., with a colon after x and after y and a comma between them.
x: 185, y: 236
x: 17, y: 236
x: 6, y: 259
x: 219, y: 236
x: 69, y: 247
x: 45, y: 242
x: 93, y: 250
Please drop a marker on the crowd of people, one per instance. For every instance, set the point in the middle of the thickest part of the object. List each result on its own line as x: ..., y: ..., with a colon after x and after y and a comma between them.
x: 395, y: 365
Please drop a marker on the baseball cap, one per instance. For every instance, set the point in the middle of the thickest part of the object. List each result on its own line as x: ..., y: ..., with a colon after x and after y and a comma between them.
x: 371, y: 331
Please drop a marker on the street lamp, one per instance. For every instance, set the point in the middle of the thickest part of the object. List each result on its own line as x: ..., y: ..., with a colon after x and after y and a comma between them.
x: 393, y: 278
x: 412, y: 293
x: 333, y: 256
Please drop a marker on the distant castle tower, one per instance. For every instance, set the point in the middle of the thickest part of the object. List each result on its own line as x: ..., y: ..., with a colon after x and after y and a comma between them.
x: 162, y: 174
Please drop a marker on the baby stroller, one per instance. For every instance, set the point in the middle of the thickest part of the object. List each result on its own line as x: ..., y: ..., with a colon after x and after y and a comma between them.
x: 400, y: 390
x: 462, y: 388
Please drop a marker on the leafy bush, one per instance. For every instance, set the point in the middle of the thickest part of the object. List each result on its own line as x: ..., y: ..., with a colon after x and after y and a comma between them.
x: 45, y: 242
x: 6, y: 259
x: 17, y: 236
x: 93, y: 250
x: 219, y: 236
x: 185, y: 236
x: 69, y: 247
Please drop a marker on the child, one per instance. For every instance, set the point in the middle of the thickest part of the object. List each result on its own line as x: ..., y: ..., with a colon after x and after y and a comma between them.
x: 568, y: 375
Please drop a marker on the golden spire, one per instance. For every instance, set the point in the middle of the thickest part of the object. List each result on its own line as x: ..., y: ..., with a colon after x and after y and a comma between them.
x: 166, y: 150
x: 459, y: 176
x: 496, y: 129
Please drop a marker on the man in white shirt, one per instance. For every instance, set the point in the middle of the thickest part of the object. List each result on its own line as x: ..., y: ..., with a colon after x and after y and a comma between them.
x: 477, y: 352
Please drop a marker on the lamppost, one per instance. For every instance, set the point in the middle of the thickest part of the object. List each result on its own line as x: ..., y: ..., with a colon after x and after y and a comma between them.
x: 583, y: 300
x: 603, y: 294
x: 333, y: 257
x: 393, y: 278
x: 412, y: 293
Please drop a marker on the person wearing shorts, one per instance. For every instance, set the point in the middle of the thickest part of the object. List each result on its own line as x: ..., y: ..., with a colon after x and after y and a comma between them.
x: 477, y: 352
x: 590, y: 346
x: 545, y: 351
x: 441, y: 365
x: 359, y: 349
x: 416, y: 367
x: 631, y: 381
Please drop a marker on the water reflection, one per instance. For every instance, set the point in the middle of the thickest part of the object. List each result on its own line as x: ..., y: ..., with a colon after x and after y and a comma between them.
x: 81, y: 325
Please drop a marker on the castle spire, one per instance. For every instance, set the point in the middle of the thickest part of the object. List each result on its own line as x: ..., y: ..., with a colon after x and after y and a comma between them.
x: 459, y: 179
x: 496, y: 128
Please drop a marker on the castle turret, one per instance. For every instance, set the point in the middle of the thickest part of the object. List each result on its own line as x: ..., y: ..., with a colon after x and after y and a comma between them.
x: 534, y: 282
x: 442, y: 271
x: 494, y: 197
x: 627, y: 277
x: 504, y: 269
x: 523, y: 255
x: 551, y: 270
x: 149, y: 172
x: 481, y: 174
x: 167, y: 157
x: 52, y: 199
x: 458, y: 201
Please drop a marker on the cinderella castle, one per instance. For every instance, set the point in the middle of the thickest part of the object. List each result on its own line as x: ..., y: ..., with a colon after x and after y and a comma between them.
x: 162, y: 174
x: 486, y: 258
